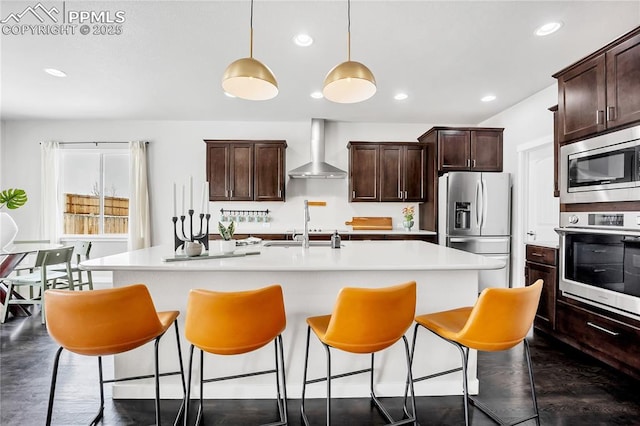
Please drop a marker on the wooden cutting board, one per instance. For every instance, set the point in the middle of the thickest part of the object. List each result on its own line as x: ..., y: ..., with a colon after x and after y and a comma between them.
x: 370, y: 223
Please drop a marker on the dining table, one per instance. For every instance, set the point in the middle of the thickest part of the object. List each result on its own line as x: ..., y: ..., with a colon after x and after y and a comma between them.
x: 10, y: 257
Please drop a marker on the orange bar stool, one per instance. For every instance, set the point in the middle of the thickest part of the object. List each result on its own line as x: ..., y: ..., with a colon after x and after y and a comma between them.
x: 234, y: 323
x: 364, y: 321
x: 108, y: 322
x: 499, y: 321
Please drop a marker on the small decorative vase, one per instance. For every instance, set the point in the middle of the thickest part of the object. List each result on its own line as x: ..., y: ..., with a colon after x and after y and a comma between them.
x: 192, y: 248
x: 227, y: 246
x: 8, y: 230
x: 407, y: 224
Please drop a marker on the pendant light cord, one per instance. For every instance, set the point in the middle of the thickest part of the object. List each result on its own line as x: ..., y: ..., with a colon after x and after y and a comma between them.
x: 348, y: 30
x: 251, y: 26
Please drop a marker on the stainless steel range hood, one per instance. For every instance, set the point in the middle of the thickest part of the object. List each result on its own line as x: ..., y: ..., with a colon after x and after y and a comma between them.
x: 317, y: 168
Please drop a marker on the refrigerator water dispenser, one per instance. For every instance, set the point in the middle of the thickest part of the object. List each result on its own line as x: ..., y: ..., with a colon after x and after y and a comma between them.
x: 463, y: 215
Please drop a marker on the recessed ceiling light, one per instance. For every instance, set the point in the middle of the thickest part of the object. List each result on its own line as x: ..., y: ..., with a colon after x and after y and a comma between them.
x: 303, y: 40
x: 548, y: 28
x: 55, y: 72
x: 400, y: 96
x: 317, y: 95
x: 488, y: 98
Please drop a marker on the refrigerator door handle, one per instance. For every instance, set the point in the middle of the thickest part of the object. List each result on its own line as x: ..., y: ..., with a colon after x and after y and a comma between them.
x: 485, y: 201
x: 478, y: 202
x: 467, y: 239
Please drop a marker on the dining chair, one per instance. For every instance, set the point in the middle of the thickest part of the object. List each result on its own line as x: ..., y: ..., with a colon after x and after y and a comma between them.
x: 364, y: 321
x: 500, y: 320
x: 81, y: 250
x: 41, y: 279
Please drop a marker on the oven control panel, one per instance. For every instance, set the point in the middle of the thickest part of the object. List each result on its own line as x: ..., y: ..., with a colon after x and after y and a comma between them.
x: 606, y: 220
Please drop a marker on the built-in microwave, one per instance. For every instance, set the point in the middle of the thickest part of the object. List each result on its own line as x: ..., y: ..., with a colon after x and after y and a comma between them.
x: 604, y: 168
x: 600, y: 260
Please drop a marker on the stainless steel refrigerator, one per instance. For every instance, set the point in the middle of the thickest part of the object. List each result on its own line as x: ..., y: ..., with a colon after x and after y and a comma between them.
x: 474, y: 214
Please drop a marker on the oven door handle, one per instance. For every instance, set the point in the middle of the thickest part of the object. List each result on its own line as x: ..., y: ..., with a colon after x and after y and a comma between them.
x: 631, y: 240
x: 600, y: 231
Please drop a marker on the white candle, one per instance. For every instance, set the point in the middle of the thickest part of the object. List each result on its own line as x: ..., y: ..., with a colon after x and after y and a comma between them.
x: 207, y: 183
x: 183, y: 200
x: 190, y: 192
x: 174, y: 200
x: 204, y: 194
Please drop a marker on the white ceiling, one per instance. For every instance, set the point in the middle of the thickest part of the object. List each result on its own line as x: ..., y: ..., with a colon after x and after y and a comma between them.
x: 168, y: 63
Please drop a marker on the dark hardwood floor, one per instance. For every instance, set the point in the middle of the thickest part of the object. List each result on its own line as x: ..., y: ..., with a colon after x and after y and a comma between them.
x: 572, y: 389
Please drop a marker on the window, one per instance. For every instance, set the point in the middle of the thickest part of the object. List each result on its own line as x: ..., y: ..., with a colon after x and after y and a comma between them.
x: 95, y: 188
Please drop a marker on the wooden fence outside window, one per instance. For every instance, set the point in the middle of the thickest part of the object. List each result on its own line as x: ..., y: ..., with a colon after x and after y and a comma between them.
x: 82, y: 214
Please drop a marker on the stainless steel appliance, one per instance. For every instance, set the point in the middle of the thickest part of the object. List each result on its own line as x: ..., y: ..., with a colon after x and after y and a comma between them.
x: 604, y: 168
x: 600, y: 260
x: 475, y: 216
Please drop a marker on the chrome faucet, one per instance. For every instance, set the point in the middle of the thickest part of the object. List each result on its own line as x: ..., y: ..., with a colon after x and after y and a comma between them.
x: 305, y: 236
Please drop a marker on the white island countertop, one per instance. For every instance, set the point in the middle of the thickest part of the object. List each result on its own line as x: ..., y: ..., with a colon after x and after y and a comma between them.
x: 352, y: 256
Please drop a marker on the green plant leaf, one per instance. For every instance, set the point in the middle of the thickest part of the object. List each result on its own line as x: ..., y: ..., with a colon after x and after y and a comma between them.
x: 13, y: 198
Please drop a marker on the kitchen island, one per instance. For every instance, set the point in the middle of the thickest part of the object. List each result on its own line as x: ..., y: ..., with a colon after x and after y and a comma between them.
x: 310, y: 279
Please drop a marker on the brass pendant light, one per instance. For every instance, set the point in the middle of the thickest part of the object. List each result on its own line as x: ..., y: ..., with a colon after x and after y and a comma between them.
x: 350, y: 81
x: 248, y: 78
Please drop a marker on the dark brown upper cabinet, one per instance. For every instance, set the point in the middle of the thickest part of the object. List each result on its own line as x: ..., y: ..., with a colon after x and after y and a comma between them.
x: 246, y: 170
x: 363, y: 171
x: 387, y: 171
x: 602, y: 91
x: 466, y: 149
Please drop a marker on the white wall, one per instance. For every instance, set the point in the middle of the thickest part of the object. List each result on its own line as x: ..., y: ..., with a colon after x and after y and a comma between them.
x: 177, y: 151
x: 525, y: 122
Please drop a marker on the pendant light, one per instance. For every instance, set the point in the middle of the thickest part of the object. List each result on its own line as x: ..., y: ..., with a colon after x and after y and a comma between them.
x: 248, y: 78
x: 351, y: 81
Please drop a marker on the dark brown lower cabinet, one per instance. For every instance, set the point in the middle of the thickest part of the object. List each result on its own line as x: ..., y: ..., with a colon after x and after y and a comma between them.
x: 613, y: 339
x: 541, y: 264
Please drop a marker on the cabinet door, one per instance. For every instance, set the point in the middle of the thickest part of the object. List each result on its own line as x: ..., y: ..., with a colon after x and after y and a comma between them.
x: 269, y: 172
x: 391, y: 173
x: 581, y: 100
x: 546, y: 315
x: 415, y: 173
x: 363, y: 173
x: 486, y: 151
x: 241, y: 172
x: 218, y: 171
x: 453, y: 150
x: 623, y: 83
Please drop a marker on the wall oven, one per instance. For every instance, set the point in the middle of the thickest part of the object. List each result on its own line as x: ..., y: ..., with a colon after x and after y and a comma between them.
x: 600, y: 260
x: 604, y: 168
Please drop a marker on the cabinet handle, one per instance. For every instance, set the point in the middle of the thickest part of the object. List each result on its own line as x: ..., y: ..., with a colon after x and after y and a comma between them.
x: 599, y: 113
x: 226, y: 192
x: 279, y: 193
x: 231, y: 193
x: 474, y: 163
x: 599, y: 270
x: 537, y: 254
x: 597, y: 327
x: 353, y: 194
x: 611, y: 113
x: 468, y: 162
x: 405, y: 195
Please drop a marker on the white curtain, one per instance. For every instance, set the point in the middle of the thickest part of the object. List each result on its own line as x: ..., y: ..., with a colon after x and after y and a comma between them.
x: 51, y: 217
x: 139, y: 223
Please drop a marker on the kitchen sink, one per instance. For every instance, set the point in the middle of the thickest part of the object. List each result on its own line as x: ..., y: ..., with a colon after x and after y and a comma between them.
x: 290, y: 243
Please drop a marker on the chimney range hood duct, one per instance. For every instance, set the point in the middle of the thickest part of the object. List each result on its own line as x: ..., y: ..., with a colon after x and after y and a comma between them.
x: 317, y: 168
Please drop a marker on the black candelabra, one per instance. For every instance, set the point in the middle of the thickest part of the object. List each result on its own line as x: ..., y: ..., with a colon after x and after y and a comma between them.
x: 202, y: 236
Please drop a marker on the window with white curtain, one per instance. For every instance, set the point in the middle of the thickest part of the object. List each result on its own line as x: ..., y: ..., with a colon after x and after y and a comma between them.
x: 95, y: 191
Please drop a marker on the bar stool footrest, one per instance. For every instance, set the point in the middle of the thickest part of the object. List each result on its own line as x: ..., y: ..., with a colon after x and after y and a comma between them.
x: 489, y: 412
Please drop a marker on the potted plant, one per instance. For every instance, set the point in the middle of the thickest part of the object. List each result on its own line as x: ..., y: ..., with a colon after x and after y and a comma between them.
x: 12, y: 199
x: 407, y: 213
x: 227, y: 244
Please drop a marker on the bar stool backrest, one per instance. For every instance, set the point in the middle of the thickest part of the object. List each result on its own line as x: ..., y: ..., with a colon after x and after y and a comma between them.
x: 366, y: 320
x: 501, y: 318
x: 228, y: 323
x: 102, y: 322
